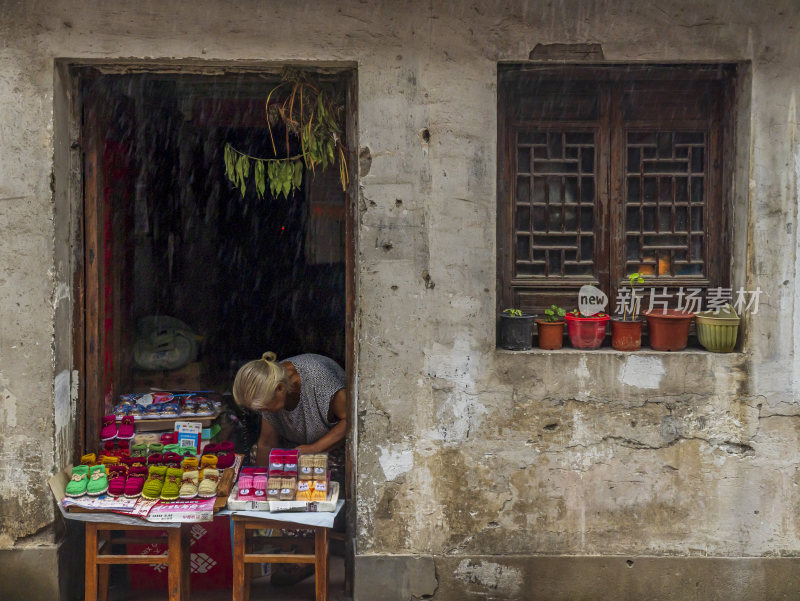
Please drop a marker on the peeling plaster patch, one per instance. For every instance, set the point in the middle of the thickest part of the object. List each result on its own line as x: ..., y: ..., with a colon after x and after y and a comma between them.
x: 490, y: 575
x: 642, y: 372
x: 63, y: 413
x: 395, y: 463
x: 8, y: 403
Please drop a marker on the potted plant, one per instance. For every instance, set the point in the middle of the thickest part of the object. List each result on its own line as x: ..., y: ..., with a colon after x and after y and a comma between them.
x: 516, y: 330
x: 551, y: 328
x: 626, y: 329
x: 668, y: 328
x: 586, y: 332
x: 717, y: 329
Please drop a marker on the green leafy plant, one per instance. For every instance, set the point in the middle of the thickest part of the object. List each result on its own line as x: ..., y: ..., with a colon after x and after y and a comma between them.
x: 310, y: 111
x: 513, y: 312
x: 553, y: 314
x: 633, y: 278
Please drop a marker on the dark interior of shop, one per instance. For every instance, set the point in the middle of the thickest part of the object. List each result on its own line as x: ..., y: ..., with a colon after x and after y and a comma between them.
x: 245, y: 274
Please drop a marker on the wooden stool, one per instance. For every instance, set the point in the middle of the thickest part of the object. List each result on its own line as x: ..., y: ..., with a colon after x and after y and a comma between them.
x: 242, y: 559
x: 99, y: 557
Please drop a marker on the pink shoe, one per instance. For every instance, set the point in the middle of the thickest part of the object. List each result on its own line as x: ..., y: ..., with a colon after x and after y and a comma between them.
x: 117, y: 476
x: 109, y: 430
x: 126, y: 428
x: 260, y: 487
x: 246, y: 486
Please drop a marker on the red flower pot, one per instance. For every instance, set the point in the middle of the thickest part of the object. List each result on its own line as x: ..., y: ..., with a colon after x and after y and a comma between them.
x: 669, y: 331
x: 586, y: 332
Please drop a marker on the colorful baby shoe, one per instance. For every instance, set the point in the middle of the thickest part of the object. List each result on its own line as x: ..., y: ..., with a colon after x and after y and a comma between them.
x: 124, y: 445
x: 274, y: 489
x: 211, y: 448
x: 76, y: 487
x: 189, y: 484
x: 208, y: 485
x: 88, y: 459
x: 189, y: 463
x: 245, y: 485
x: 126, y: 428
x: 260, y: 487
x: 98, y: 480
x: 109, y: 429
x: 135, y: 481
x: 107, y: 460
x: 171, y: 448
x: 155, y: 459
x: 169, y: 438
x: 117, y: 476
x: 139, y: 450
x: 225, y: 455
x: 172, y: 484
x: 155, y: 482
x: 187, y: 451
x: 172, y: 460
x: 304, y: 490
x: 208, y: 461
x: 137, y: 461
x: 320, y: 492
x: 155, y: 447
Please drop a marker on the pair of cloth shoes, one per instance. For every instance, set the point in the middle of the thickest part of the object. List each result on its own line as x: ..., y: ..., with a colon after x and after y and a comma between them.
x: 91, y: 480
x: 163, y: 483
x: 127, y: 481
x: 253, y: 485
x: 166, y: 459
x: 224, y: 451
x: 110, y: 431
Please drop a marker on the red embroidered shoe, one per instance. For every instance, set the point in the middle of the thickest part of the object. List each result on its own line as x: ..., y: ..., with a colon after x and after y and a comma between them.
x: 135, y: 482
x: 109, y: 430
x: 155, y: 459
x: 172, y: 460
x: 126, y: 429
x: 117, y: 475
x: 225, y: 455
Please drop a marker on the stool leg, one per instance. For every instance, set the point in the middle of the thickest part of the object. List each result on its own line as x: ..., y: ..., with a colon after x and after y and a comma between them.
x: 186, y: 569
x: 177, y: 562
x: 321, y: 563
x: 103, y: 570
x: 240, y: 572
x: 91, y: 562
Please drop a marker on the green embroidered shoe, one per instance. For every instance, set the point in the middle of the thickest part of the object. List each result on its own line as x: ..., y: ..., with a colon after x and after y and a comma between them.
x: 188, y: 451
x: 155, y: 482
x: 80, y: 478
x: 172, y: 484
x: 98, y: 480
x: 139, y: 450
x: 171, y: 448
x: 155, y: 447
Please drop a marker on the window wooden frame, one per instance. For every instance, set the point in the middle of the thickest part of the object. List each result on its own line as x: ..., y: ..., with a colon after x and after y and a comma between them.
x: 704, y: 94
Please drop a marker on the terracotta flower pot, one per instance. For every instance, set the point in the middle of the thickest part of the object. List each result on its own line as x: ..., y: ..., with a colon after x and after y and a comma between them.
x: 586, y: 332
x: 669, y: 330
x: 551, y: 334
x: 626, y: 335
x: 516, y: 333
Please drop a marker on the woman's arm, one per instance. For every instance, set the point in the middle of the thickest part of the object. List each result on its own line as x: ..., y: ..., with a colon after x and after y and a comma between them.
x: 338, y: 411
x: 267, y: 440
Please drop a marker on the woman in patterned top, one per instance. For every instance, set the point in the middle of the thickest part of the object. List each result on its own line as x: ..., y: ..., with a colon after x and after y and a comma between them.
x: 302, y: 400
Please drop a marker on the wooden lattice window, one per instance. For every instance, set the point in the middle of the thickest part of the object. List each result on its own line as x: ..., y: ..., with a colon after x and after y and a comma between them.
x: 603, y: 172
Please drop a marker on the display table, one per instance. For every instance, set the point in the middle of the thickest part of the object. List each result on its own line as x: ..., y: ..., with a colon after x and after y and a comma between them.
x: 99, y: 557
x: 244, y: 521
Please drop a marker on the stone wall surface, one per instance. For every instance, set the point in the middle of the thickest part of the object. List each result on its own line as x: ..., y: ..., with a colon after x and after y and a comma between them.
x: 464, y: 453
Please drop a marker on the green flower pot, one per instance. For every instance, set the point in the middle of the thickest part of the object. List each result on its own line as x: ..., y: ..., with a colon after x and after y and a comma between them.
x: 717, y: 331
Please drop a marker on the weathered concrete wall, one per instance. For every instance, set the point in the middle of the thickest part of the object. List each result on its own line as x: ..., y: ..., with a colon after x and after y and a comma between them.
x: 466, y: 456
